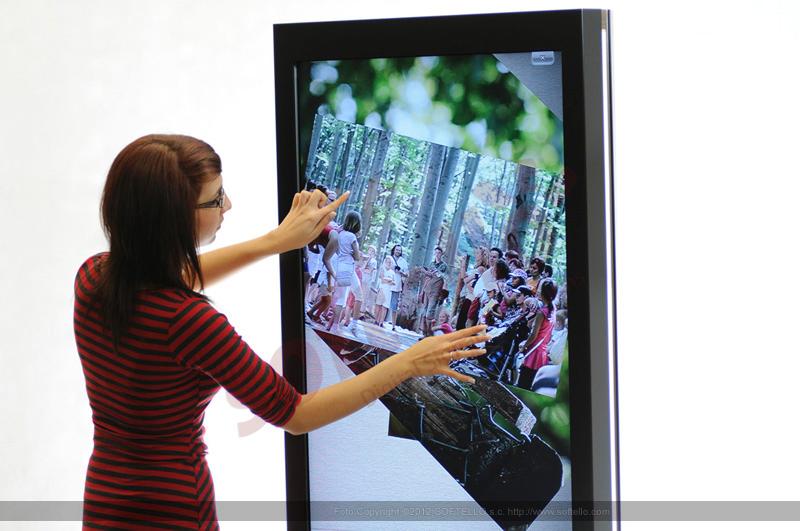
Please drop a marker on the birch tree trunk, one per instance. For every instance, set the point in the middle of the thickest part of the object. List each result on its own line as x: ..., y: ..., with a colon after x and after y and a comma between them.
x: 523, y: 207
x: 387, y: 222
x: 413, y: 207
x: 504, y: 188
x: 470, y: 170
x: 554, y: 230
x: 440, y: 203
x: 376, y: 175
x: 311, y: 157
x: 330, y: 171
x: 341, y: 175
x: 412, y: 215
x: 359, y: 179
x: 423, y: 224
x: 352, y: 179
x: 542, y: 220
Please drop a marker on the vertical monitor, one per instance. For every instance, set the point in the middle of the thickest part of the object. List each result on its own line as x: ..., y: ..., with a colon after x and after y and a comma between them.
x: 467, y: 206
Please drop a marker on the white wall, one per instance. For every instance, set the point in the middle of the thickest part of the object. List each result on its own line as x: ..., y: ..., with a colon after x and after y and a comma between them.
x: 705, y: 121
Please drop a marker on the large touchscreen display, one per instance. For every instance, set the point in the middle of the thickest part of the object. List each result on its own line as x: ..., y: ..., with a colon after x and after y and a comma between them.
x: 455, y: 165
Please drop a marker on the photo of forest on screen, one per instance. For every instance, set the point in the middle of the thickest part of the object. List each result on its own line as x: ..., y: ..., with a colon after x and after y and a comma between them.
x: 399, y: 119
x: 456, y: 217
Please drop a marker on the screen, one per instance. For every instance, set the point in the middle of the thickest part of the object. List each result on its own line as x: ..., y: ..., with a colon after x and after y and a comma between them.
x: 455, y: 165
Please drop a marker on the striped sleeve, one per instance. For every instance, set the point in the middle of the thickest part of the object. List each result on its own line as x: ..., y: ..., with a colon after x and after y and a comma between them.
x: 202, y: 339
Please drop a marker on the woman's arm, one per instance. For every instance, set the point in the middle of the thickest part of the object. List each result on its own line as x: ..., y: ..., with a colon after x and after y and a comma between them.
x: 430, y: 356
x: 537, y: 322
x: 356, y: 251
x: 305, y: 220
x: 330, y: 249
x: 219, y: 263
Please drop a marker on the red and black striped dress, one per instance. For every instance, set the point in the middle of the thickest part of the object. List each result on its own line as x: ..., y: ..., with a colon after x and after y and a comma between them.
x: 148, y: 468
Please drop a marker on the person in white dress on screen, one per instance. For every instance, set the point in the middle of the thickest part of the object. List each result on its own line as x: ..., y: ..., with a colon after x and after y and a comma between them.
x: 386, y: 279
x: 346, y: 279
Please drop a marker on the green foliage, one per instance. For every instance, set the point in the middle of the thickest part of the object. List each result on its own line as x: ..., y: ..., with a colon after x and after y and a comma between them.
x: 553, y: 424
x: 464, y: 99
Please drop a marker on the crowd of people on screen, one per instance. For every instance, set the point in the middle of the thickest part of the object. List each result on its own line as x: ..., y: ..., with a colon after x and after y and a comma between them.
x: 345, y: 284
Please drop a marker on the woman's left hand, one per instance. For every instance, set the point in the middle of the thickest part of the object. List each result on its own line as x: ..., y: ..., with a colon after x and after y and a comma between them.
x: 434, y: 354
x: 306, y: 219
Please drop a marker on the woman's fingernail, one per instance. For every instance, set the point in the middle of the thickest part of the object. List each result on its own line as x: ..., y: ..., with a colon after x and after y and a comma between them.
x: 472, y: 380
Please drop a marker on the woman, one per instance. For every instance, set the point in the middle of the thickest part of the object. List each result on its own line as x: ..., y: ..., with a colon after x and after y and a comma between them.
x: 369, y: 273
x: 154, y: 351
x: 328, y: 240
x: 541, y: 329
x: 386, y: 277
x: 443, y: 326
x: 482, y: 257
x: 346, y: 278
x: 535, y: 274
x: 467, y: 296
x: 490, y: 280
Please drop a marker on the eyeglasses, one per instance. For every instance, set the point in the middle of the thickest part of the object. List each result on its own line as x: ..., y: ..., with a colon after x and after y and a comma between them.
x: 217, y: 202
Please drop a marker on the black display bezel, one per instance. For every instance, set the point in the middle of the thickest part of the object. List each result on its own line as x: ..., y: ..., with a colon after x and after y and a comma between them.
x: 578, y: 36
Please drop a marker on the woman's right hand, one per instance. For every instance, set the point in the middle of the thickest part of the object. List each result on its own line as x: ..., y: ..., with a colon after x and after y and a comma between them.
x: 306, y: 219
x: 434, y: 354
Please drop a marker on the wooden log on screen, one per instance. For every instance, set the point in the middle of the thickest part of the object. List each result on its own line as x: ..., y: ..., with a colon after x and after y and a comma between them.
x: 408, y: 309
x: 462, y: 272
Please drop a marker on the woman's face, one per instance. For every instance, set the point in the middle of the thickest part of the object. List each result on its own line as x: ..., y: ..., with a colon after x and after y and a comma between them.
x: 209, y: 220
x: 387, y: 263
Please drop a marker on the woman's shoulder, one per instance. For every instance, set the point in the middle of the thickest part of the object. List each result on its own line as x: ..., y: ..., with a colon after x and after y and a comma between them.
x: 95, y: 259
x: 89, y: 271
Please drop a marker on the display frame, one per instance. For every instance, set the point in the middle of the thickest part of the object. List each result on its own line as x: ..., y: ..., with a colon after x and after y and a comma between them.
x: 582, y: 36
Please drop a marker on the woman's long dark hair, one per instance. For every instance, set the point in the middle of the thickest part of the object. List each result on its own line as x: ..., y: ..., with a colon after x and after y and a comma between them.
x: 148, y: 214
x: 549, y: 292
